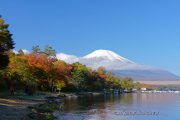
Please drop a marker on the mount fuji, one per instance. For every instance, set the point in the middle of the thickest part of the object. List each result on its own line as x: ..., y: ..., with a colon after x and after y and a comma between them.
x: 120, y: 66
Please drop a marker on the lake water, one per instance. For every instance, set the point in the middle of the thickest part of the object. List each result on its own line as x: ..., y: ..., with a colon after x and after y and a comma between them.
x: 130, y: 106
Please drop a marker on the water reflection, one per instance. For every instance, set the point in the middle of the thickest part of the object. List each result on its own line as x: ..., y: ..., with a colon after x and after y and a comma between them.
x: 135, y: 106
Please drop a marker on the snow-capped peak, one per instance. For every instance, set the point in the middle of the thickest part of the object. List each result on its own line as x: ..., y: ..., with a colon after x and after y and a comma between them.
x: 106, y: 54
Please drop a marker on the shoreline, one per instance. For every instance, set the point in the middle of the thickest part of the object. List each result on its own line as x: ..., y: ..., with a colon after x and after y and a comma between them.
x: 15, y: 109
x: 22, y: 107
x: 37, y: 106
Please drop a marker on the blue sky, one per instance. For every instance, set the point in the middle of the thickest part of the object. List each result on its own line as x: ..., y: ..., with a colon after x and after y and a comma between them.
x: 144, y: 31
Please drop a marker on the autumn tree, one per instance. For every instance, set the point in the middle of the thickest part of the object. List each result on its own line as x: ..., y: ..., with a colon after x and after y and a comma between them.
x: 96, y: 82
x: 102, y: 72
x: 18, y: 72
x: 41, y: 67
x: 60, y: 73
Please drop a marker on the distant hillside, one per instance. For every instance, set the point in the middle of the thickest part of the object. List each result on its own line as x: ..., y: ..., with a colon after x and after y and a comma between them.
x: 147, y: 75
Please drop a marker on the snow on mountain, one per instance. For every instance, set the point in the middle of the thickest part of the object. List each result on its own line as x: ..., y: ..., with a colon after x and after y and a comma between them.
x: 108, y: 55
x: 106, y: 58
x: 110, y: 60
x: 67, y: 58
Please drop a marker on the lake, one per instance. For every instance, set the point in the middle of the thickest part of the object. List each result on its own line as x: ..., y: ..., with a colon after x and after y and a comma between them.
x: 129, y: 106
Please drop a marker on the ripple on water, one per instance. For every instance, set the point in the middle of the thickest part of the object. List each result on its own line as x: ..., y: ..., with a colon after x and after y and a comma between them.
x: 114, y: 108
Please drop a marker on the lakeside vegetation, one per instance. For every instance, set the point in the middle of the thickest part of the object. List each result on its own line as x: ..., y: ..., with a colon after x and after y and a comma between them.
x: 41, y: 71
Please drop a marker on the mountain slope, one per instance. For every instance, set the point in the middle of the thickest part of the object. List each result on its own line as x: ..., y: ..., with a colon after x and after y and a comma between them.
x: 147, y: 75
x: 121, y: 66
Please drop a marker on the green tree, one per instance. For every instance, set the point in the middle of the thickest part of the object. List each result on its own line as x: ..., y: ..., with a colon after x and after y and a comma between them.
x: 113, y: 81
x: 79, y: 76
x: 20, y: 52
x: 59, y: 85
x: 36, y: 49
x: 127, y: 83
x: 6, y: 43
x: 48, y: 50
x: 79, y: 79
